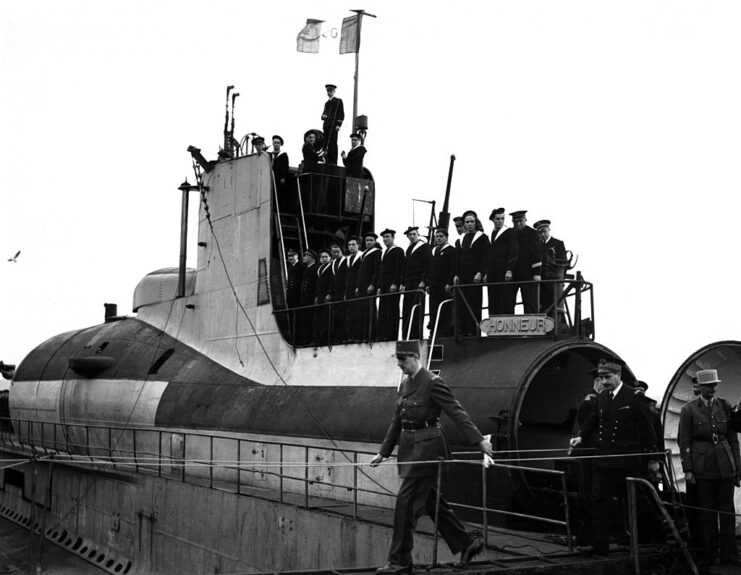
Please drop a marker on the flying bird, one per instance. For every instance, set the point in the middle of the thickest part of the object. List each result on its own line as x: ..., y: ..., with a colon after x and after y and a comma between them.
x: 14, y: 259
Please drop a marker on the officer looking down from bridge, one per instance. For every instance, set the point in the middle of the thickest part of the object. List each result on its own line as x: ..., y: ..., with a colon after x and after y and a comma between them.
x: 710, y: 460
x: 415, y: 426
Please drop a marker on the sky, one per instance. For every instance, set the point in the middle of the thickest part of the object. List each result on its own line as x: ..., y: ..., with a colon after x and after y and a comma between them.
x: 618, y: 121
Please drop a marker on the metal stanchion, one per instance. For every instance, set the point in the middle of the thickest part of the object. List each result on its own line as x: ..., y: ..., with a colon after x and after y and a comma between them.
x: 633, y: 522
x: 437, y: 509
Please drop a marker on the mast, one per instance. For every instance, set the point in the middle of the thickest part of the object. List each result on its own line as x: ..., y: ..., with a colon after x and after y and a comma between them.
x: 358, y: 24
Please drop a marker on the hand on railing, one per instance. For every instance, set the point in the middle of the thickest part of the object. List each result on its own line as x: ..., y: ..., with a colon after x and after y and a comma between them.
x: 376, y: 460
x: 486, y: 447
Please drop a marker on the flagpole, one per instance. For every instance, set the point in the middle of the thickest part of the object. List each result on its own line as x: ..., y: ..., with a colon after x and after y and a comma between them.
x: 360, y: 14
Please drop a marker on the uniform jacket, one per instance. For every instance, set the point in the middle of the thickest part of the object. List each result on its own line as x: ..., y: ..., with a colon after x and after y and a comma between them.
x: 391, y: 268
x: 697, y: 448
x: 422, y: 398
x: 354, y: 161
x: 551, y: 249
x: 339, y: 277
x: 416, y: 265
x: 622, y: 425
x: 308, y: 284
x: 472, y: 256
x: 280, y: 166
x: 323, y: 282
x: 293, y: 284
x: 442, y: 266
x: 529, y: 253
x: 311, y: 157
x: 588, y: 404
x: 334, y: 113
x: 351, y: 278
x: 368, y: 273
x: 503, y: 252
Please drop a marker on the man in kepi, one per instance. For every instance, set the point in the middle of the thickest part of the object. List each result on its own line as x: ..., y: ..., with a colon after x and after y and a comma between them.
x: 710, y: 460
x: 332, y: 116
x: 416, y: 428
x: 624, y: 432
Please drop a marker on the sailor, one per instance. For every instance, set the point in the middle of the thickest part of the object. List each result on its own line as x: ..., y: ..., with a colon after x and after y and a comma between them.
x: 353, y: 314
x: 415, y: 427
x: 280, y: 169
x: 337, y: 293
x: 472, y: 261
x: 323, y: 288
x: 528, y: 261
x: 312, y: 156
x: 414, y: 281
x: 293, y: 283
x: 389, y: 281
x: 353, y: 160
x: 503, y: 253
x: 458, y: 223
x: 305, y: 315
x: 366, y: 286
x: 709, y: 452
x: 583, y: 537
x: 553, y: 258
x: 624, y: 432
x: 332, y: 116
x: 440, y: 278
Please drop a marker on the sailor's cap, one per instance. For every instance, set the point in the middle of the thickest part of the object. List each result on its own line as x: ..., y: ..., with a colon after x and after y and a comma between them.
x: 518, y: 214
x: 458, y: 220
x: 370, y: 235
x: 411, y: 229
x: 388, y: 231
x: 496, y: 212
x: 277, y: 137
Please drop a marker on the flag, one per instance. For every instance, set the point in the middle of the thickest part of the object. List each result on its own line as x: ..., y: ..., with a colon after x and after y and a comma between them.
x: 349, y: 37
x: 308, y: 39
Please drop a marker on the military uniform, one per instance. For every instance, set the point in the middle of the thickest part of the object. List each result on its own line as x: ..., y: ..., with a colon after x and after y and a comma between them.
x: 552, y: 252
x: 416, y: 265
x: 337, y: 293
x: 332, y: 116
x: 389, y: 273
x: 353, y: 308
x: 321, y: 312
x: 441, y: 273
x: 354, y: 162
x: 472, y: 260
x: 710, y: 450
x: 528, y: 265
x: 415, y: 426
x: 503, y: 253
x: 368, y: 277
x: 588, y: 404
x: 622, y: 424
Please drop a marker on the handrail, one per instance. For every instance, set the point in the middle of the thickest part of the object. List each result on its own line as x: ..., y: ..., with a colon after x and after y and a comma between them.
x: 433, y: 337
x: 301, y: 208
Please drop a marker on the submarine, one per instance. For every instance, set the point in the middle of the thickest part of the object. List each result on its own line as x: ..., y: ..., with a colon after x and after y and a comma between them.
x: 180, y: 434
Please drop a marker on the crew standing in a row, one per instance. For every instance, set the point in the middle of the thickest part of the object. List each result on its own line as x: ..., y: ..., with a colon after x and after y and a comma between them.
x: 389, y: 281
x: 416, y: 265
x: 440, y: 280
x: 472, y: 262
x: 503, y: 255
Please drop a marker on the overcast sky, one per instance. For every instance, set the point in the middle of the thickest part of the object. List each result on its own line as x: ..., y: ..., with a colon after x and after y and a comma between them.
x: 618, y: 121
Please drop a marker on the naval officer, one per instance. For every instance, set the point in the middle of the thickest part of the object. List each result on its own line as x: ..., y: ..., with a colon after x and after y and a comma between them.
x: 415, y: 426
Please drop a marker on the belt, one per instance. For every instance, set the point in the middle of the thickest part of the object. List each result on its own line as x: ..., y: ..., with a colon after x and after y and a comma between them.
x: 414, y: 424
x: 715, y: 439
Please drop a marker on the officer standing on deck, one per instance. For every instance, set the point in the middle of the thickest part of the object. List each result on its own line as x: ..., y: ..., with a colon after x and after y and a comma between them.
x: 624, y: 432
x: 553, y: 258
x: 710, y: 460
x: 332, y: 116
x: 415, y: 426
x: 528, y: 262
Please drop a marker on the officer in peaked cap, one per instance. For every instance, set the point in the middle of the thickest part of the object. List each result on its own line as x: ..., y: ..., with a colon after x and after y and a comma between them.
x: 458, y: 223
x: 553, y: 258
x: 622, y: 423
x: 421, y: 397
x: 528, y: 261
x: 709, y: 452
x: 332, y: 118
x: 258, y: 143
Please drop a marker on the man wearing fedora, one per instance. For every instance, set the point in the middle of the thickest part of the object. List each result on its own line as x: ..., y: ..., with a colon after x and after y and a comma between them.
x: 710, y: 460
x: 622, y: 424
x: 415, y: 426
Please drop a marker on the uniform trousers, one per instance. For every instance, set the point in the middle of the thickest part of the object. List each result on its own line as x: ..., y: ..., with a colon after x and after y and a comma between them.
x: 445, y: 324
x: 388, y: 317
x: 608, y: 483
x: 717, y: 494
x: 417, y: 497
x: 330, y: 143
x: 469, y: 310
x: 501, y: 297
x: 530, y: 292
x: 411, y: 299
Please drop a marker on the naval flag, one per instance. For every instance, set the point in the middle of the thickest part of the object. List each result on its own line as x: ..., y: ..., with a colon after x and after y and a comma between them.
x: 308, y: 38
x: 349, y: 37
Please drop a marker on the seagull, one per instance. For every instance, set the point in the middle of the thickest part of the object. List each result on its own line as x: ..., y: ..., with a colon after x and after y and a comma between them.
x: 14, y: 259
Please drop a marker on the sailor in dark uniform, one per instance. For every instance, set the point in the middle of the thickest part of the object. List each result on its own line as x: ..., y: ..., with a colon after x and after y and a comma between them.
x: 366, y: 286
x: 458, y: 223
x: 472, y: 261
x: 332, y: 116
x: 503, y: 253
x: 353, y: 315
x: 439, y: 280
x: 258, y: 144
x: 353, y: 160
x: 389, y: 281
x: 528, y: 262
x: 416, y: 267
x: 323, y: 289
x: 337, y: 295
x: 311, y: 155
x: 624, y: 432
x: 586, y: 448
x: 280, y: 172
x: 415, y: 427
x: 553, y: 257
x: 709, y: 452
x: 294, y: 270
x: 305, y: 315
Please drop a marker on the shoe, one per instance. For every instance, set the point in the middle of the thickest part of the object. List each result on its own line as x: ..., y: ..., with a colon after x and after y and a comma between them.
x: 474, y: 548
x: 393, y: 569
